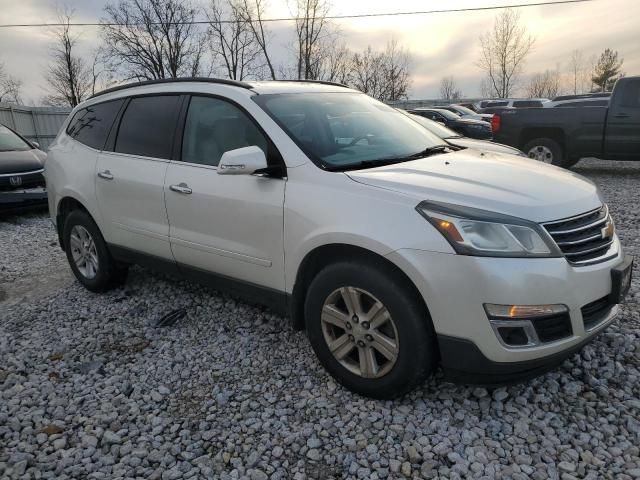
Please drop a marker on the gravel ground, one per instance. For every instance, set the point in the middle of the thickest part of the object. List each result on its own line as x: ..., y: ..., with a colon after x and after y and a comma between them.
x: 89, y: 388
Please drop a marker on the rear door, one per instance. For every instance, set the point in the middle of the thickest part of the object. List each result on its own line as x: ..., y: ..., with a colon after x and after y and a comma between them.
x: 622, y: 132
x: 231, y: 225
x: 130, y: 177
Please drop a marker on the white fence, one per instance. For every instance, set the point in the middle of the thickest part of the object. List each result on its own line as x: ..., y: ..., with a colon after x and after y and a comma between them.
x: 37, y: 124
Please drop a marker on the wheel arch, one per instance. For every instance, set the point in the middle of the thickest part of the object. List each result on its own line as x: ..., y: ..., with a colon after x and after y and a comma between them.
x: 321, y: 256
x: 67, y: 204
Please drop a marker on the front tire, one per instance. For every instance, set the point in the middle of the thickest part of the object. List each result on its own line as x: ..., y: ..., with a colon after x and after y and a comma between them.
x: 369, y: 330
x: 88, y: 255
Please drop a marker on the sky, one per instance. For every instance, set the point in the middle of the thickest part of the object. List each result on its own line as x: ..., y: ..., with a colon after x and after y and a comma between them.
x: 441, y: 44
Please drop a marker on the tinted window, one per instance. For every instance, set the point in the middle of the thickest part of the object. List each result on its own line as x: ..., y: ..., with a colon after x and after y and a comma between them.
x: 527, y: 103
x: 631, y: 94
x: 214, y: 126
x: 91, y: 125
x: 496, y: 104
x: 147, y: 126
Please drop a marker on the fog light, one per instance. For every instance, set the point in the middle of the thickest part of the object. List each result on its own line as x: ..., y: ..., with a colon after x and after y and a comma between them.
x: 515, y: 312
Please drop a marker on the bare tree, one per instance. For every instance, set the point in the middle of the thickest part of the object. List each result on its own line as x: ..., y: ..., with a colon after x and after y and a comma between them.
x: 69, y: 79
x: 232, y: 40
x: 335, y: 62
x: 311, y: 29
x: 607, y: 70
x: 367, y: 73
x: 149, y: 39
x: 382, y: 75
x: 253, y: 13
x: 503, y: 52
x: 9, y: 87
x: 577, y: 72
x: 544, y: 85
x: 396, y: 71
x: 448, y: 89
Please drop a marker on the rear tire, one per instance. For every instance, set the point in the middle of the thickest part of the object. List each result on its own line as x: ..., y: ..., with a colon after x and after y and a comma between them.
x: 548, y: 151
x: 88, y: 255
x: 365, y: 359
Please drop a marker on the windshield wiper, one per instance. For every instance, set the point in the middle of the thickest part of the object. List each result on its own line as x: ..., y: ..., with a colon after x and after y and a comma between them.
x: 391, y: 160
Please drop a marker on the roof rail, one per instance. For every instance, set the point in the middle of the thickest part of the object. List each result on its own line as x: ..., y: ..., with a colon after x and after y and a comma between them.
x: 222, y: 81
x: 321, y: 82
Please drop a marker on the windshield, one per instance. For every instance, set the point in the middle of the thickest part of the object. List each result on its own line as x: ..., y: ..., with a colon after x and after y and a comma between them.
x: 343, y: 130
x: 463, y: 110
x: 445, y: 113
x: 434, y: 127
x: 10, y: 141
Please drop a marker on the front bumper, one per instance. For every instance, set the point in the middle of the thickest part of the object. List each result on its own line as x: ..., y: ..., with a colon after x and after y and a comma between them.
x: 455, y: 287
x: 24, y: 198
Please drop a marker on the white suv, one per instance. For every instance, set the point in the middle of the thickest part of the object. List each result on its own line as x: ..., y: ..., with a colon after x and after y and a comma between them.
x: 395, y: 252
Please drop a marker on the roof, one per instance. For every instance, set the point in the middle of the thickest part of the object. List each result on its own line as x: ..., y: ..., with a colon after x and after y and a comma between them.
x: 269, y: 86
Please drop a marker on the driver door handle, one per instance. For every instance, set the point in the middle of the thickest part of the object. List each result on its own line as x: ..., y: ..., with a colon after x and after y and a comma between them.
x: 106, y: 175
x: 622, y: 115
x: 181, y: 188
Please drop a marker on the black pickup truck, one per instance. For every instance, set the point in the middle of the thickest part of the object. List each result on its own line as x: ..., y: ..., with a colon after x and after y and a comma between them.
x: 563, y: 136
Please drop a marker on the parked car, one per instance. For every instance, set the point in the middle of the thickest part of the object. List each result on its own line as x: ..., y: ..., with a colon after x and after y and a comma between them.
x: 562, y: 136
x: 488, y: 106
x: 465, y: 112
x: 465, y: 126
x: 470, y: 106
x: 391, y: 249
x: 21, y: 172
x: 454, y: 138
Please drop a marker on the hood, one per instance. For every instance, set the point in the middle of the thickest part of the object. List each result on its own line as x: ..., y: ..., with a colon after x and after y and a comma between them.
x: 17, y: 161
x: 496, y: 182
x: 483, y: 145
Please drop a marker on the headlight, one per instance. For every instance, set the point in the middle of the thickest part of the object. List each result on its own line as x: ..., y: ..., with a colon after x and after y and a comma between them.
x: 472, y: 231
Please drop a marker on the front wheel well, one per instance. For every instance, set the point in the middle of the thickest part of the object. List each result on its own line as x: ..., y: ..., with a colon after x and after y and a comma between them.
x: 325, y: 255
x: 65, y: 207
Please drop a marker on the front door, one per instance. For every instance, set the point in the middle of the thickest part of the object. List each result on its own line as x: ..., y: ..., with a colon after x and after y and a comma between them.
x: 231, y: 225
x: 130, y: 179
x: 622, y: 134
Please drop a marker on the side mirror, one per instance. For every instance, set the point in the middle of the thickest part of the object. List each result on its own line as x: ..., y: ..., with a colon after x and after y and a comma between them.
x: 439, y: 120
x: 35, y: 144
x: 242, y: 161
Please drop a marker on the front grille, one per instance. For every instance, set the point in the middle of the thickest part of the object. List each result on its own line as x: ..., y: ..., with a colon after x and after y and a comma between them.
x: 553, y: 328
x: 583, y: 239
x: 593, y: 313
x: 27, y: 180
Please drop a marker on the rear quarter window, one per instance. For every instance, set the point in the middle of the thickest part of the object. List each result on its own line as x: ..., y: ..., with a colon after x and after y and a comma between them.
x: 91, y: 125
x: 147, y: 127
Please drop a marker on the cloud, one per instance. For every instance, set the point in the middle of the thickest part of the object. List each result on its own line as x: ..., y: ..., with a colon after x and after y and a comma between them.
x: 440, y: 44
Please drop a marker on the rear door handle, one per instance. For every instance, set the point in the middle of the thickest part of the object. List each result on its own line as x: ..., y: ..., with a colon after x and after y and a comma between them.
x: 622, y: 115
x: 181, y: 188
x: 106, y: 175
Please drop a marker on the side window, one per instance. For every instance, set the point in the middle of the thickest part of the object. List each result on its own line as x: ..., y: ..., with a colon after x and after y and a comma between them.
x: 631, y: 94
x: 91, y: 125
x: 147, y: 126
x: 214, y: 126
x: 527, y: 103
x: 497, y: 104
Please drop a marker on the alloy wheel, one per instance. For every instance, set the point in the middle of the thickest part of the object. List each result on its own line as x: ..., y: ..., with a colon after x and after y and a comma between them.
x: 360, y: 332
x: 84, y: 252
